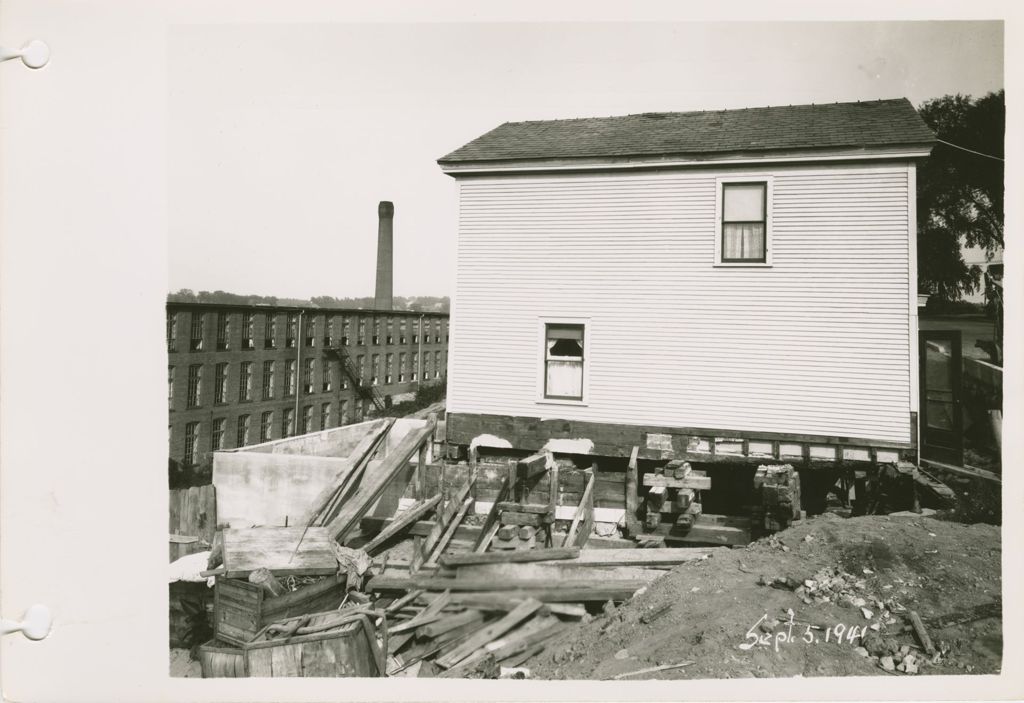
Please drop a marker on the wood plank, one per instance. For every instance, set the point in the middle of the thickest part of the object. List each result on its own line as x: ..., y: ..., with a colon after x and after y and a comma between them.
x: 698, y: 483
x: 560, y: 571
x: 445, y: 516
x: 450, y: 622
x: 442, y: 543
x: 632, y: 470
x: 457, y: 560
x: 492, y: 523
x: 498, y: 600
x: 433, y: 583
x: 510, y: 518
x: 400, y: 523
x: 519, y: 642
x: 433, y: 608
x: 372, y: 486
x: 580, y: 516
x: 278, y: 549
x: 633, y: 557
x: 520, y: 613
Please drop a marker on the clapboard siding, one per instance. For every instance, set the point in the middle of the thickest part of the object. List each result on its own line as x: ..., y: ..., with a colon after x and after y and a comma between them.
x: 819, y: 343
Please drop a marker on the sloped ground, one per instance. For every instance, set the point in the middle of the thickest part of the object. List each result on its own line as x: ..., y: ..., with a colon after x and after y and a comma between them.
x: 871, y: 570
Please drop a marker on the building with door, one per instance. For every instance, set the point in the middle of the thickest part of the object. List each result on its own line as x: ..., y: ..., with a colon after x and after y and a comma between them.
x: 733, y: 285
x: 239, y: 375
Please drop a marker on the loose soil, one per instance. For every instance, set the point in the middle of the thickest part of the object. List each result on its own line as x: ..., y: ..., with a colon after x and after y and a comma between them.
x: 892, y: 564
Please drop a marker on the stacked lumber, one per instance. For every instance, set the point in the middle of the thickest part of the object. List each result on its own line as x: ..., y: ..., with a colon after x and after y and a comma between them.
x: 673, y: 495
x: 777, y: 498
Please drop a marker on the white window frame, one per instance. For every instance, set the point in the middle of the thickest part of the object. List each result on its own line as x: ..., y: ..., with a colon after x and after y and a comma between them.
x: 542, y: 323
x: 748, y: 177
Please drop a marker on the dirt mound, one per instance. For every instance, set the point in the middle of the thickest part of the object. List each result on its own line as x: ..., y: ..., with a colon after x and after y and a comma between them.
x: 830, y: 597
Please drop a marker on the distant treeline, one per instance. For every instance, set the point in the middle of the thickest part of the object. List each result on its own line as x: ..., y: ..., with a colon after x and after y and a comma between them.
x: 426, y: 303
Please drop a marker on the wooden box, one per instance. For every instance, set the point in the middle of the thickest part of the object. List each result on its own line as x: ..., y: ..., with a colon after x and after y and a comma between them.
x: 242, y: 609
x: 347, y: 651
x: 221, y: 661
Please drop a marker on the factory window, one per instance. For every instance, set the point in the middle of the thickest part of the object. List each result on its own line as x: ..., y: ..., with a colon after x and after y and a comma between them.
x: 374, y: 363
x: 437, y: 364
x: 360, y: 367
x: 266, y: 426
x: 325, y: 416
x: 328, y: 331
x: 307, y: 419
x: 415, y: 366
x: 437, y: 331
x: 426, y: 366
x: 403, y: 328
x: 291, y: 331
x: 345, y: 331
x: 242, y: 433
x: 447, y: 332
x: 195, y: 379
x: 361, y: 337
x: 217, y: 435
x: 307, y: 376
x: 389, y: 361
x: 288, y: 422
x: 191, y: 443
x: 223, y: 331
x: 220, y: 383
x: 196, y: 338
x: 401, y: 367
x: 248, y: 330
x: 342, y: 412
x: 743, y: 221
x: 563, y: 361
x: 311, y: 332
x: 391, y: 331
x: 245, y: 381
x: 170, y: 387
x: 289, y: 378
x: 172, y: 331
x: 270, y: 331
x: 376, y: 332
x: 327, y: 374
x: 268, y: 380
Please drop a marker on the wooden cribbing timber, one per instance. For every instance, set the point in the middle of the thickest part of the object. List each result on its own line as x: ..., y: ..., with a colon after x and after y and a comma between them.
x: 372, y: 486
x: 456, y: 560
x: 490, y: 633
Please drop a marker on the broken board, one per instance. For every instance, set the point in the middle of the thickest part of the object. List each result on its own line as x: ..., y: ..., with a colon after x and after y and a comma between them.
x: 274, y: 548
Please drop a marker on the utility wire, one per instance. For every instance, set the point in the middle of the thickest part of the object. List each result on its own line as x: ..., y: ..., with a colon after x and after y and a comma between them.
x: 963, y: 148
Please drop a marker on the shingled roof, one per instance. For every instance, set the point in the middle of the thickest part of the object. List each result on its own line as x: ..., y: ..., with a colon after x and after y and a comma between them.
x: 861, y: 124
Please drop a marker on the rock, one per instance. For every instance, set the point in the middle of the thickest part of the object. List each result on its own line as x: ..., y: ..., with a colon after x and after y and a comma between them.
x: 809, y: 538
x: 867, y: 571
x: 867, y: 613
x: 905, y: 650
x: 622, y: 654
x: 910, y: 664
x: 861, y: 651
x: 900, y: 667
x: 874, y: 626
x: 810, y: 583
x: 858, y: 602
x: 887, y: 663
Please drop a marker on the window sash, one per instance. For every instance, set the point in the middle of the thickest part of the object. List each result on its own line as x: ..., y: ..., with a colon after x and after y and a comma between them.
x: 744, y: 240
x: 563, y: 374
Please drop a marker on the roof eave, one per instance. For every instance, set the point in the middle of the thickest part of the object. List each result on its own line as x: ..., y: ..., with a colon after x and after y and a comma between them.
x: 916, y: 150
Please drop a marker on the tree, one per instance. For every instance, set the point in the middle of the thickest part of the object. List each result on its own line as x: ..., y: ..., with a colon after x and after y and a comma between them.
x: 959, y: 193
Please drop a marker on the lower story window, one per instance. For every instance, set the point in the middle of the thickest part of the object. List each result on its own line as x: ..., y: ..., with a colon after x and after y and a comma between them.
x: 563, y: 361
x: 191, y: 443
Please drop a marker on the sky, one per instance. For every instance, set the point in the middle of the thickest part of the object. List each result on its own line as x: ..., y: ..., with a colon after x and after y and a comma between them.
x: 284, y: 137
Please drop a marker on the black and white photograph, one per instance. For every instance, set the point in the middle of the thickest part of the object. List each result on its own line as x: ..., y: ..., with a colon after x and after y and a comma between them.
x: 523, y: 351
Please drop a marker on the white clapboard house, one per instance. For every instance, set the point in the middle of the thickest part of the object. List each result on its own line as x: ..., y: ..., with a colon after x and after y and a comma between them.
x: 717, y: 284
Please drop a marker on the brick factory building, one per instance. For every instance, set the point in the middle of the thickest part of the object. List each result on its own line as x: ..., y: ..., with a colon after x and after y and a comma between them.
x: 243, y: 374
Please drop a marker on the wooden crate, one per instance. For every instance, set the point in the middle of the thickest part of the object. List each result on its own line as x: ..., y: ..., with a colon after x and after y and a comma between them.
x: 221, y: 661
x: 242, y: 609
x: 348, y: 651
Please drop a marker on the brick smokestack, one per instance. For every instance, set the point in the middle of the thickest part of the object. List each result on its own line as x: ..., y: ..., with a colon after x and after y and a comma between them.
x: 385, y: 254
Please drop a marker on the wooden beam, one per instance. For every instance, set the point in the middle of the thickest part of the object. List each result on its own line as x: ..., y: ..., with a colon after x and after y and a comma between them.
x: 420, y: 528
x: 433, y: 583
x: 571, y: 538
x: 632, y: 500
x: 457, y: 560
x: 491, y: 524
x: 372, y: 486
x: 567, y: 593
x: 403, y: 521
x: 521, y: 612
x: 697, y: 483
x: 449, y: 531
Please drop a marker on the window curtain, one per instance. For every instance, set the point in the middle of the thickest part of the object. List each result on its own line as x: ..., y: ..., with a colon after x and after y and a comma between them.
x: 743, y: 241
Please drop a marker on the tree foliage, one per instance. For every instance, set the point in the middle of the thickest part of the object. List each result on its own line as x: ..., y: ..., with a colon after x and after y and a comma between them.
x: 960, y: 194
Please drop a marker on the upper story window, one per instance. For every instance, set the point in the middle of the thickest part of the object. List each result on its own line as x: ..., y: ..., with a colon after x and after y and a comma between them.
x: 270, y: 331
x: 376, y: 332
x: 196, y: 336
x: 307, y: 375
x: 245, y: 381
x: 311, y: 332
x: 195, y: 380
x: 289, y: 378
x: 403, y: 325
x: 268, y: 380
x: 266, y: 425
x: 220, y: 383
x: 744, y: 223
x: 248, y: 330
x: 223, y: 331
x: 563, y: 361
x: 361, y: 337
x: 172, y: 331
x: 390, y: 338
x: 292, y: 331
x: 345, y: 331
x: 328, y: 330
x: 242, y: 431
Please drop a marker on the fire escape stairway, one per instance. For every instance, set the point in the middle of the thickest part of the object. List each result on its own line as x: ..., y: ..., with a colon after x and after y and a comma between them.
x: 362, y: 391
